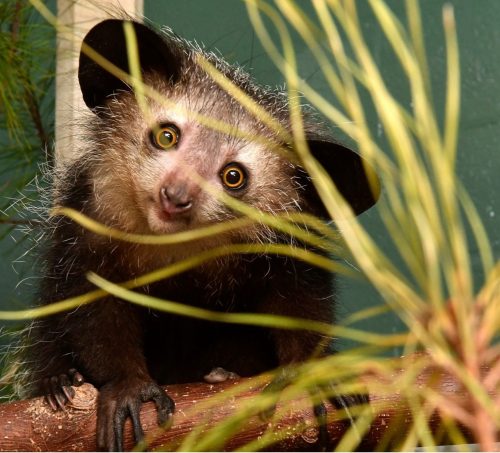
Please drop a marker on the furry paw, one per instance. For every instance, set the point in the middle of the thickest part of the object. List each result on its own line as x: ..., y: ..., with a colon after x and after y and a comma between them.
x: 119, y: 400
x: 59, y: 391
x: 347, y: 406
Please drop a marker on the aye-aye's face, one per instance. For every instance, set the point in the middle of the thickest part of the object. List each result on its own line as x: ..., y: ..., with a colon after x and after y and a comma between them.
x: 155, y: 162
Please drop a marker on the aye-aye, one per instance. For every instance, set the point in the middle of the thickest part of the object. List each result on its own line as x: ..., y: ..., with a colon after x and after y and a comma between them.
x: 139, y: 170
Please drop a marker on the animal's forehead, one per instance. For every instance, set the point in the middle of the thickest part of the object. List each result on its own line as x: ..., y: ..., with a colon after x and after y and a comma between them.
x: 209, y: 117
x: 198, y: 95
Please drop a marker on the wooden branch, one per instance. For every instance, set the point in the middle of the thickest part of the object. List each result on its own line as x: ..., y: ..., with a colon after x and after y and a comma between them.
x: 32, y: 425
x: 33, y: 104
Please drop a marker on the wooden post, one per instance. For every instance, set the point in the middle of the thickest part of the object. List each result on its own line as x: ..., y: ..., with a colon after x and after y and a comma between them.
x: 79, y: 16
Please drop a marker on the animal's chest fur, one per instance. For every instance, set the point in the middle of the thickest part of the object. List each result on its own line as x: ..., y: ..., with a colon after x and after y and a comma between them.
x: 139, y: 173
x: 182, y: 349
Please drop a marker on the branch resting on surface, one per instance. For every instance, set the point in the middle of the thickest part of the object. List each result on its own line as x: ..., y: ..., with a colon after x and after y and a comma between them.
x: 32, y: 425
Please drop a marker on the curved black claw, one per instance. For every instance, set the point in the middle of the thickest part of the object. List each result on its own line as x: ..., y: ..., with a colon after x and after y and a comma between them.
x: 320, y: 414
x: 348, y: 405
x: 59, y: 391
x: 121, y: 400
x: 345, y: 401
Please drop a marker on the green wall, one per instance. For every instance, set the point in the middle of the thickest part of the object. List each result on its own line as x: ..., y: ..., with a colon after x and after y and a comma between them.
x: 21, y: 152
x: 223, y: 24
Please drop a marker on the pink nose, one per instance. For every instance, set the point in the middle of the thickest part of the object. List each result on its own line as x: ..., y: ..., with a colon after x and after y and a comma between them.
x: 176, y: 199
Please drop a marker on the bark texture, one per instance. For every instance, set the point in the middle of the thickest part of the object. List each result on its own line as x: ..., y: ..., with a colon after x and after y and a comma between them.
x: 31, y: 425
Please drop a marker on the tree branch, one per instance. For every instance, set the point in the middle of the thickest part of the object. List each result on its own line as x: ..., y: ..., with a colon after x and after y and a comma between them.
x: 32, y: 425
x: 30, y: 97
x: 34, y: 111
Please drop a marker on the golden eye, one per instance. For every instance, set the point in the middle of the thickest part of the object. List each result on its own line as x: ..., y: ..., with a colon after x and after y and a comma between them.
x: 165, y: 136
x: 233, y: 176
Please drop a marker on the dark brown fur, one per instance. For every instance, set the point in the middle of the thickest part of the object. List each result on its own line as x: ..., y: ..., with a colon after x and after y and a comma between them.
x: 125, y: 350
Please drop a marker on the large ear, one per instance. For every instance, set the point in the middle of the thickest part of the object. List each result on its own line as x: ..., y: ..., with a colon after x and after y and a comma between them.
x: 356, y: 181
x: 108, y: 39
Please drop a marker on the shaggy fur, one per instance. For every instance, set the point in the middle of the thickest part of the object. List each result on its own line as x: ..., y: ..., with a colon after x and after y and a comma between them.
x: 125, y: 350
